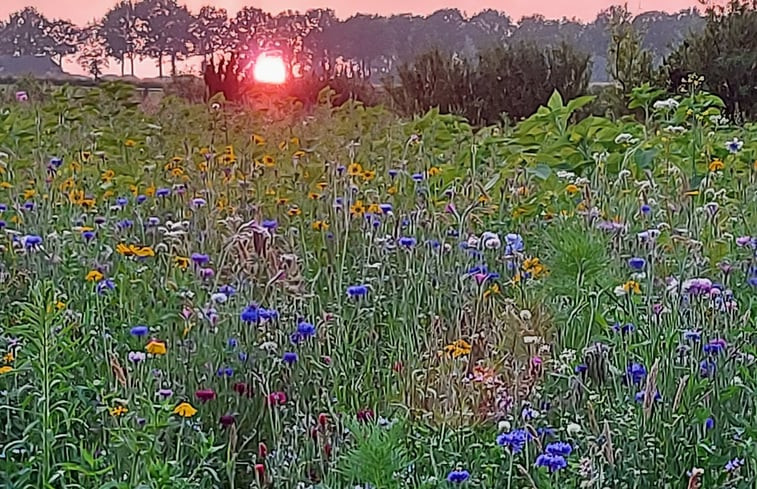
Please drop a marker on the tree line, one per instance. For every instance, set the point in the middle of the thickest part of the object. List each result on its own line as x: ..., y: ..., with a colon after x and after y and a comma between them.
x: 315, y: 40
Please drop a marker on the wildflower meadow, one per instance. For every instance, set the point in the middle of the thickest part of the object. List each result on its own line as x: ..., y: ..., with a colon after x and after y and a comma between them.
x: 205, y: 296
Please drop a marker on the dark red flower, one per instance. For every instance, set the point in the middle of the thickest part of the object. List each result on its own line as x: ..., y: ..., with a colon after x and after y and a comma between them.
x: 365, y: 415
x: 260, y: 470
x: 227, y: 420
x: 205, y: 395
x: 277, y: 398
x: 314, y: 433
x: 398, y: 366
x: 323, y: 419
x: 262, y: 450
x: 327, y: 450
x: 327, y: 360
x: 242, y: 389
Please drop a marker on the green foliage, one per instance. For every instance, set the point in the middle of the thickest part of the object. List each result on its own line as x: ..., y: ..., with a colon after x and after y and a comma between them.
x: 724, y: 54
x: 511, y: 81
x: 376, y: 457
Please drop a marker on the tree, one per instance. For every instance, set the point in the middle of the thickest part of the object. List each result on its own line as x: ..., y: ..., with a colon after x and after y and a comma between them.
x: 165, y: 31
x: 210, y: 29
x: 26, y: 34
x: 629, y: 64
x: 65, y: 38
x: 121, y: 30
x: 247, y: 29
x: 92, y: 51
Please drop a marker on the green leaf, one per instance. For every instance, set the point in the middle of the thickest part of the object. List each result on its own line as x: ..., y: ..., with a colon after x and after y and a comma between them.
x: 645, y: 157
x: 540, y: 171
x: 555, y: 101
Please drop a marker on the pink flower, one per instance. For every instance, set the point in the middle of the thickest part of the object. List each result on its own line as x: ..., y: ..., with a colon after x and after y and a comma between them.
x: 22, y: 96
x: 277, y: 398
x: 480, y: 277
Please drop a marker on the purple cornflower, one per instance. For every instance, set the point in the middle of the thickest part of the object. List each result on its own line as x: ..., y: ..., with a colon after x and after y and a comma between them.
x: 637, y: 263
x: 515, y: 440
x: 715, y: 346
x: 207, y: 273
x: 290, y: 358
x: 122, y: 201
x: 646, y: 209
x: 559, y: 448
x: 418, y: 177
x: 270, y: 224
x: 88, y: 235
x: 690, y: 335
x: 163, y: 192
x: 139, y: 331
x: 227, y: 290
x: 199, y: 202
x: 164, y: 393
x: 709, y: 424
x: 458, y: 476
x: 136, y: 356
x: 357, y: 290
x: 636, y: 372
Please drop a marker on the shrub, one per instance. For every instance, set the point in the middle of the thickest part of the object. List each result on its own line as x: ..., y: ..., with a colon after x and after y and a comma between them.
x: 725, y: 54
x: 513, y: 80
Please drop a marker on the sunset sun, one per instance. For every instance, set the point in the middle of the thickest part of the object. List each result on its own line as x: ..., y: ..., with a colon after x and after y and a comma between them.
x: 270, y: 68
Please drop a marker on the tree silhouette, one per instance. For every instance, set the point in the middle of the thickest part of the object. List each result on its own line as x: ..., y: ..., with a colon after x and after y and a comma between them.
x: 92, y: 53
x: 65, y: 37
x: 26, y: 34
x: 210, y: 29
x: 165, y: 31
x: 121, y: 30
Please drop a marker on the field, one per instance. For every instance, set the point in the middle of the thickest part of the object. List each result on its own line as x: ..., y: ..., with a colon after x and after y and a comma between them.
x: 198, y: 296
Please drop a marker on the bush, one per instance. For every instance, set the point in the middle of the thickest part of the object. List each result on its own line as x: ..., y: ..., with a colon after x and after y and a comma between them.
x: 513, y: 80
x: 725, y: 54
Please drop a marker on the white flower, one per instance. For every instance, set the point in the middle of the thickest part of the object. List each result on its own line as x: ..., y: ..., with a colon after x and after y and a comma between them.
x: 525, y: 315
x: 490, y: 241
x: 218, y: 297
x: 619, y: 291
x: 573, y: 429
x: 473, y: 241
x: 676, y: 129
x: 670, y: 103
x: 504, y: 426
x: 623, y: 138
x: 734, y: 146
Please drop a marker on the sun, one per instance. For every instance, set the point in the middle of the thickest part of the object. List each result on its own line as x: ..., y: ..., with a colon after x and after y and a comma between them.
x: 270, y: 68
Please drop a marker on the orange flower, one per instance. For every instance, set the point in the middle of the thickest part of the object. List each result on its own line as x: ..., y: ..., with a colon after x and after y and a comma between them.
x: 357, y: 209
x: 320, y: 225
x: 716, y: 165
x: 94, y: 276
x: 155, y: 347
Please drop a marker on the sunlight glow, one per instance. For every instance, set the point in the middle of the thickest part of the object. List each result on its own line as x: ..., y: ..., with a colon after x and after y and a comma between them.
x: 270, y: 68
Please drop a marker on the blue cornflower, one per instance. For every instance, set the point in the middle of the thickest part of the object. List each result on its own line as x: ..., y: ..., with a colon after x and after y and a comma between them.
x: 200, y: 259
x: 418, y: 177
x: 88, y: 235
x: 141, y: 199
x: 140, y: 330
x: 3, y: 207
x: 270, y: 224
x: 227, y: 290
x: 232, y: 342
x: 715, y: 346
x: 752, y: 281
x: 29, y: 206
x: 559, y: 448
x: 528, y: 413
x: 458, y: 476
x: 122, y: 201
x: 636, y: 372
x: 552, y: 462
x: 3, y: 224
x: 623, y: 328
x: 99, y: 220
x: 637, y: 263
x: 580, y: 368
x: 242, y: 356
x: 125, y: 224
x: 267, y: 314
x: 709, y: 424
x: 163, y: 192
x: 340, y: 169
x: 105, y: 285
x: 305, y: 329
x: 407, y: 242
x: 199, y: 202
x: 56, y: 162
x: 646, y: 209
x: 433, y: 244
x: 250, y: 314
x: 545, y: 431
x: 31, y: 240
x: 357, y: 290
x: 734, y: 146
x: 690, y: 335
x: 515, y: 440
x: 386, y: 208
x: 513, y: 243
x: 225, y: 372
x: 734, y: 464
x: 707, y: 368
x: 290, y: 357
x: 393, y: 173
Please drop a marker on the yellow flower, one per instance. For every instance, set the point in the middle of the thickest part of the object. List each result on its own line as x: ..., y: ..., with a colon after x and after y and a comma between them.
x: 632, y: 286
x: 374, y: 209
x: 229, y: 150
x: 6, y: 185
x: 295, y: 140
x: 258, y: 140
x: 6, y: 369
x: 572, y: 189
x: 299, y: 153
x: 458, y: 348
x: 369, y: 175
x: 493, y: 290
x: 177, y: 172
x: 354, y: 169
x: 130, y: 143
x: 314, y: 196
x: 357, y: 209
x: 322, y: 186
x: 202, y: 167
x: 484, y: 199
x: 691, y: 193
x: 320, y: 225
x: 282, y: 145
x: 143, y: 251
x: 85, y: 155
x: 391, y: 190
x: 8, y: 357
x: 434, y: 171
x: 185, y: 410
x: 294, y: 211
x: 108, y: 194
x: 94, y: 276
x: 134, y: 190
x: 150, y: 191
x: 181, y: 262
x: 29, y: 193
x: 60, y: 305
x: 716, y: 165
x: 268, y: 160
x: 107, y: 175
x: 156, y: 347
x: 534, y: 267
x: 117, y: 411
x: 282, y: 201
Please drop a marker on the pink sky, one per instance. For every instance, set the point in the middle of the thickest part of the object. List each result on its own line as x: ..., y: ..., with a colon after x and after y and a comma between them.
x: 80, y: 11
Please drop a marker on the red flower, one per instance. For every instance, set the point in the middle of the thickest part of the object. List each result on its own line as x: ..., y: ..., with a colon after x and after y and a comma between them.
x: 205, y: 395
x: 398, y: 366
x: 227, y: 420
x: 323, y: 419
x: 260, y: 470
x: 262, y: 450
x: 327, y: 450
x: 365, y: 415
x: 327, y: 360
x: 242, y: 389
x: 277, y: 398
